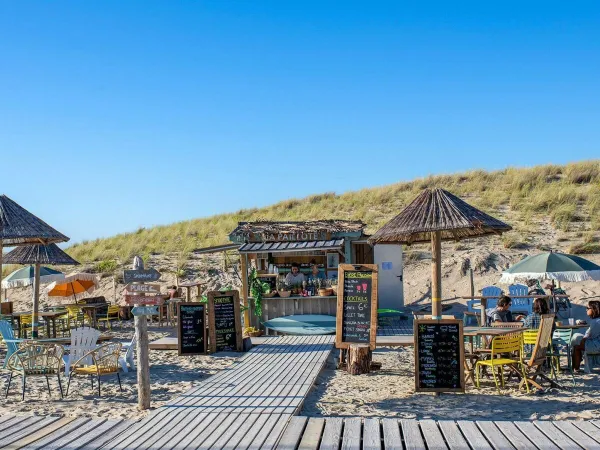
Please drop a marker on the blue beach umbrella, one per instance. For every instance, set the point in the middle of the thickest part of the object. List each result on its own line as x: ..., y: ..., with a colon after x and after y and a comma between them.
x: 26, y: 275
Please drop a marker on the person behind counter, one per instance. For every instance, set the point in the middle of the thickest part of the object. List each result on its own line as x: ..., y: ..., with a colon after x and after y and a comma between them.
x: 316, y: 274
x: 295, y: 277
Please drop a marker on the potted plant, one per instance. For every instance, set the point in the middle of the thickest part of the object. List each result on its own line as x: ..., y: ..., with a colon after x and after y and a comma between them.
x: 257, y: 290
x: 283, y: 289
x: 324, y: 291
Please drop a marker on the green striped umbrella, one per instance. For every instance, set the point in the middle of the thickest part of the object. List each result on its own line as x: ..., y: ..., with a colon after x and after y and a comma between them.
x: 552, y: 266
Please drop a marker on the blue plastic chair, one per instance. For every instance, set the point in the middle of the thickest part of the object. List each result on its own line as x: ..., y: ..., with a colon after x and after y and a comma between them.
x: 8, y: 334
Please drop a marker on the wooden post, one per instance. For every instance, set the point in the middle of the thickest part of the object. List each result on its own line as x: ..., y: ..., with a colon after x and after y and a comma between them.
x: 114, y: 283
x: 143, y: 360
x: 244, y: 274
x: 472, y: 283
x: 359, y: 359
x: 436, y: 275
x: 36, y: 301
x: 1, y: 250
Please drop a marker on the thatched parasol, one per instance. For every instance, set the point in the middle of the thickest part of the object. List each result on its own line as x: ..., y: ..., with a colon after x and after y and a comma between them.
x: 19, y: 227
x: 434, y: 216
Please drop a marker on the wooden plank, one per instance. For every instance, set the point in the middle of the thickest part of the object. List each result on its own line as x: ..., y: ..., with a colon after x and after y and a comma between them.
x: 534, y: 435
x: 16, y: 427
x: 352, y: 433
x: 514, y: 435
x: 256, y: 437
x: 332, y: 433
x: 433, y: 435
x: 58, y: 433
x: 41, y: 433
x: 22, y: 431
x: 391, y: 434
x: 555, y: 435
x: 84, y: 439
x: 73, y: 436
x: 13, y: 421
x: 473, y: 435
x: 109, y: 434
x: 588, y: 428
x: 275, y: 433
x: 312, y: 434
x: 493, y: 435
x: 212, y: 432
x: 578, y: 436
x: 202, y: 424
x: 241, y: 431
x: 372, y: 435
x: 293, y: 433
x: 453, y: 436
x: 231, y: 429
x: 412, y: 435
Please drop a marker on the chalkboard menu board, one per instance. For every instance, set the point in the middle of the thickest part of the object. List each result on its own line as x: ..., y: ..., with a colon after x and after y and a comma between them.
x: 439, y: 355
x: 224, y: 321
x: 191, y: 336
x: 356, y: 319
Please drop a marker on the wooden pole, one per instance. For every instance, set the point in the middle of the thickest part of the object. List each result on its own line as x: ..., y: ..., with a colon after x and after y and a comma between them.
x: 359, y: 359
x: 436, y: 275
x: 36, y: 301
x: 472, y: 283
x: 244, y: 274
x: 1, y: 250
x: 143, y: 360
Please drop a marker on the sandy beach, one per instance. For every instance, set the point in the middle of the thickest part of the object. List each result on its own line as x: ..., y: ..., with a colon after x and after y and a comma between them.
x: 389, y: 392
x: 170, y: 375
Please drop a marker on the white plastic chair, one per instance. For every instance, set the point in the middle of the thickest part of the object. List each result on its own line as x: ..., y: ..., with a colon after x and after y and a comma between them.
x: 83, y: 340
x: 128, y: 359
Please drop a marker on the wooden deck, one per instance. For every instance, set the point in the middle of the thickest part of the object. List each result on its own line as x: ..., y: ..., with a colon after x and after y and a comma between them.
x: 333, y: 433
x: 246, y: 406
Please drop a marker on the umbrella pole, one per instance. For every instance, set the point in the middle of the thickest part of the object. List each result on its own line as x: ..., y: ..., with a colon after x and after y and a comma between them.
x: 436, y: 275
x: 36, y: 300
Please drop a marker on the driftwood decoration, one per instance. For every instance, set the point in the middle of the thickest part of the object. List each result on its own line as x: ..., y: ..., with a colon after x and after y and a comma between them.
x: 359, y: 359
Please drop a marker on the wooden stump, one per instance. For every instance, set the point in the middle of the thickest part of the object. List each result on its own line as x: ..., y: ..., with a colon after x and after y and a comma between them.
x: 359, y: 359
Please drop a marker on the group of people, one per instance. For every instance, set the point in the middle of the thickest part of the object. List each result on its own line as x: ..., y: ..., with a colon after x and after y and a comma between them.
x: 295, y: 277
x: 580, y: 343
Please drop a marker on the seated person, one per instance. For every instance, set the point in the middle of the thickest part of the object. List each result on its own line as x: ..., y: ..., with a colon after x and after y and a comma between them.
x: 534, y: 319
x: 295, y: 277
x: 501, y: 313
x: 316, y: 274
x: 590, y: 342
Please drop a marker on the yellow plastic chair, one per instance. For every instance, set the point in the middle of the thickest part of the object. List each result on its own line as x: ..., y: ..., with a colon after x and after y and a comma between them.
x: 25, y: 323
x: 75, y: 314
x: 503, y: 347
x: 111, y: 314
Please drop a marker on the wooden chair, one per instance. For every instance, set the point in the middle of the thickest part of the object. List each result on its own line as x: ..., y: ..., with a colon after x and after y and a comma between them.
x: 83, y: 340
x: 502, y: 351
x: 112, y: 313
x: 533, y: 368
x: 105, y: 361
x: 36, y: 359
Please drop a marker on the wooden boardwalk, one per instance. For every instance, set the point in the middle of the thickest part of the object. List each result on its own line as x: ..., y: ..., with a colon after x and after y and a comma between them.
x: 333, y: 433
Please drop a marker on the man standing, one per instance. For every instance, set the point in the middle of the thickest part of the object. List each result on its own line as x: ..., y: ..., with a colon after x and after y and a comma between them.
x: 295, y: 277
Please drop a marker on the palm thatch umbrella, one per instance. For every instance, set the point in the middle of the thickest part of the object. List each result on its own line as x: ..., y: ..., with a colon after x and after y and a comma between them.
x: 38, y: 254
x: 19, y: 227
x: 434, y: 216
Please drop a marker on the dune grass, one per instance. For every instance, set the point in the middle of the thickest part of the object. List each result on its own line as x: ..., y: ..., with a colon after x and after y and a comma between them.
x: 566, y: 194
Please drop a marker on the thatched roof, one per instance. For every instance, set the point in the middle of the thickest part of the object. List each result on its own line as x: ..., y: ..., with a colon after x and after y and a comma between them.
x: 44, y: 254
x: 19, y: 227
x: 331, y: 226
x: 437, y: 210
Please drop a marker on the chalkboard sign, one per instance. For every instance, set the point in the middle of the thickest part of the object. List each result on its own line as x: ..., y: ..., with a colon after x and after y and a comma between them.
x: 356, y: 319
x: 191, y: 336
x: 224, y: 321
x: 439, y: 355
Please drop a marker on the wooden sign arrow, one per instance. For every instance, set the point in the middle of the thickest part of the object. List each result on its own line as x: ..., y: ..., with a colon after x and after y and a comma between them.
x: 144, y: 310
x: 142, y: 300
x: 141, y: 276
x: 145, y: 288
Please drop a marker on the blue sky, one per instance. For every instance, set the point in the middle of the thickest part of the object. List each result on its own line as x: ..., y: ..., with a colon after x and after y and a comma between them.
x: 115, y: 115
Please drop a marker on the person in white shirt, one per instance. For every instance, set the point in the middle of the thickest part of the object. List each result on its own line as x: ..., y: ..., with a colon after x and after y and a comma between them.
x: 295, y: 277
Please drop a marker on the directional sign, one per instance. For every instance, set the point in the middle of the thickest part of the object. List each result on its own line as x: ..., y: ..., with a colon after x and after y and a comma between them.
x: 146, y: 288
x: 144, y: 310
x: 142, y: 300
x: 141, y: 276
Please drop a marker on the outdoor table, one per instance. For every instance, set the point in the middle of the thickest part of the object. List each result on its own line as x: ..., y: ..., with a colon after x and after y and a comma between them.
x: 49, y: 317
x: 61, y: 341
x: 569, y: 327
x: 485, y: 299
x: 492, y: 332
x: 189, y: 287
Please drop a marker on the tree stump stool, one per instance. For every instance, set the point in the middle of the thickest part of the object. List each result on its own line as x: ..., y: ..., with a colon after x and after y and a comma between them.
x: 359, y: 359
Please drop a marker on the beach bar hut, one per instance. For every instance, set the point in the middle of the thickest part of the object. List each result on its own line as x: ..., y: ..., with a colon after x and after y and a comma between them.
x: 272, y: 247
x: 19, y: 227
x: 434, y: 216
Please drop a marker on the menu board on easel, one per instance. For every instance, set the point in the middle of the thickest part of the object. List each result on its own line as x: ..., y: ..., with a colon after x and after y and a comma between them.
x: 439, y: 355
x: 356, y: 318
x: 224, y: 321
x: 191, y: 336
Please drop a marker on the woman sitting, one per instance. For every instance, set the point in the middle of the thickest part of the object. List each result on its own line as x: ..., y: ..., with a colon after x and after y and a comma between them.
x: 590, y: 342
x: 534, y: 319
